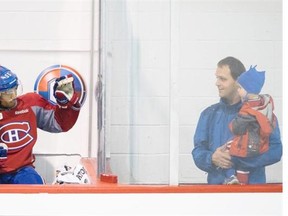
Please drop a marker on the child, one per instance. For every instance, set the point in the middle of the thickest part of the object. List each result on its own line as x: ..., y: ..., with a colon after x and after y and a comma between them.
x: 252, y: 126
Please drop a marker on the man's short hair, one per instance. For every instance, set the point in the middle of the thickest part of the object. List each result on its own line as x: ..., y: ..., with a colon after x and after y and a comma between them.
x: 235, y: 65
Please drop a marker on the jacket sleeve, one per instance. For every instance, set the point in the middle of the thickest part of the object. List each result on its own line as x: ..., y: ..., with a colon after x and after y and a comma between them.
x: 201, y: 154
x: 52, y: 118
x: 66, y: 118
x: 239, y: 125
x: 272, y: 156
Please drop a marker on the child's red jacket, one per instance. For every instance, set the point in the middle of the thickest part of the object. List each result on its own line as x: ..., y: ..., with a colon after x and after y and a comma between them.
x: 252, y: 127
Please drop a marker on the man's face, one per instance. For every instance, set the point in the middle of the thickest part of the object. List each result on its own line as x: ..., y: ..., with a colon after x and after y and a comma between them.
x: 226, y: 85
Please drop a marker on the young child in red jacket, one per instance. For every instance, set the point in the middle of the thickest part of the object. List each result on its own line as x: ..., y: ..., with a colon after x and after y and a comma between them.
x: 253, y: 124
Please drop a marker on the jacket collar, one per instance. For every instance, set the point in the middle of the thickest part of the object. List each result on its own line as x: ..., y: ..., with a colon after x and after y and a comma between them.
x: 230, y: 108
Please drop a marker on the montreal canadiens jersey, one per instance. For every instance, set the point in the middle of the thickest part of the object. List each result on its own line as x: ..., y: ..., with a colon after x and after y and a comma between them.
x: 18, y: 127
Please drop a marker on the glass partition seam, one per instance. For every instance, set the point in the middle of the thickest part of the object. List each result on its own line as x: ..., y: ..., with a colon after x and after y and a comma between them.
x: 174, y: 97
x: 101, y: 101
x: 91, y: 77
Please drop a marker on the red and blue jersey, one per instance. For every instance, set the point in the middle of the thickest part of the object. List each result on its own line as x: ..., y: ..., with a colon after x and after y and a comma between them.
x: 18, y: 127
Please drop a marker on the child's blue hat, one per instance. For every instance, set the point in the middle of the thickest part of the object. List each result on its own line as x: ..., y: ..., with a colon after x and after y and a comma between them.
x: 252, y: 80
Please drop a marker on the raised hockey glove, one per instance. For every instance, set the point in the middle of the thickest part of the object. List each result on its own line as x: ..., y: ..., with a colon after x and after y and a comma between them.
x: 3, y: 153
x: 64, y: 92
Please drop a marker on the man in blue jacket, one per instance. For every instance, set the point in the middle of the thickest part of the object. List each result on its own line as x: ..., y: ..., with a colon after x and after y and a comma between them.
x: 213, y: 131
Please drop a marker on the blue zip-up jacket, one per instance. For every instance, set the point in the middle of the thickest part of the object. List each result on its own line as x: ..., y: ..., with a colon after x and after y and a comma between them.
x: 213, y: 131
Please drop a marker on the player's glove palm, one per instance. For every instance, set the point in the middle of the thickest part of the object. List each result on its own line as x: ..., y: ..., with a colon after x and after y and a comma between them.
x: 64, y: 92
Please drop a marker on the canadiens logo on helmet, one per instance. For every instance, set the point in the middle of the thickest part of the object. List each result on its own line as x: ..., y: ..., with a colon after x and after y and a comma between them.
x: 46, y: 79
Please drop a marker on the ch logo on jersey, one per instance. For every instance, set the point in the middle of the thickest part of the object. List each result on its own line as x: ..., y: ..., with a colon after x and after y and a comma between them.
x: 16, y: 135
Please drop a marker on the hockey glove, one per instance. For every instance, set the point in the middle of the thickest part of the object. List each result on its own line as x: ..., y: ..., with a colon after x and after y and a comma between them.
x: 64, y: 92
x: 67, y: 175
x: 3, y: 153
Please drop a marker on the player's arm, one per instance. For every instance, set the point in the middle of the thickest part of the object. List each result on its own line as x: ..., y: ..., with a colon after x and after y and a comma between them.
x: 67, y: 99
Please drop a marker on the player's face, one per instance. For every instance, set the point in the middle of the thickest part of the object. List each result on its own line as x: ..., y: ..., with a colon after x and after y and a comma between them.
x: 227, y: 86
x: 8, y: 98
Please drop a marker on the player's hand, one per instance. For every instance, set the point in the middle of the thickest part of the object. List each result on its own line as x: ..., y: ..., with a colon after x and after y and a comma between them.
x: 64, y: 92
x: 3, y: 153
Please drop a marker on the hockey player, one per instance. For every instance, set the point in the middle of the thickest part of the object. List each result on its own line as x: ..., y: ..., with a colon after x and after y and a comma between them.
x: 21, y: 115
